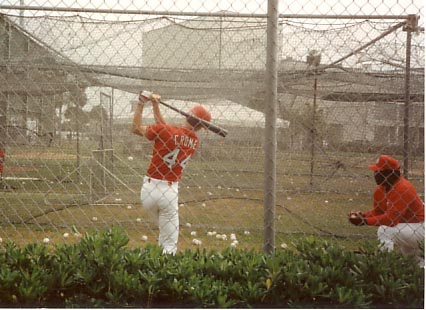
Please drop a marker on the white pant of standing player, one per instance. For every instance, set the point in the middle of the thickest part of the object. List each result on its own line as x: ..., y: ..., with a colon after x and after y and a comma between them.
x: 160, y: 200
x: 404, y: 237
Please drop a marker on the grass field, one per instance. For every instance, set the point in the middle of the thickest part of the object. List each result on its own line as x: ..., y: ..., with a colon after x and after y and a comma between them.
x: 45, y: 195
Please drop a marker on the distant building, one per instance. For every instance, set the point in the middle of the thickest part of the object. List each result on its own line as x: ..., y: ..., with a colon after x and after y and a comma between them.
x: 217, y: 43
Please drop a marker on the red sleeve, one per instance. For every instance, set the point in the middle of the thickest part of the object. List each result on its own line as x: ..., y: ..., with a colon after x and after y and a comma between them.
x: 379, y: 202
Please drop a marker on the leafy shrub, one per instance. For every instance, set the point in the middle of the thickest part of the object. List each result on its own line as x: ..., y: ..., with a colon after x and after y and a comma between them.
x: 101, y: 271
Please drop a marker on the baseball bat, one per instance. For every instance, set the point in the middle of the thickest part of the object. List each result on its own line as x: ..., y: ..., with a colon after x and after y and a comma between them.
x: 212, y: 127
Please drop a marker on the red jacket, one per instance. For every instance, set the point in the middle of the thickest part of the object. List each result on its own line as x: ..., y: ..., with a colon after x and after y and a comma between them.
x: 401, y: 204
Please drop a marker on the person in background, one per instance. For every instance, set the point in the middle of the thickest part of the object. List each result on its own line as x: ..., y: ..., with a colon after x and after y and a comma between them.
x: 173, y: 148
x: 397, y: 210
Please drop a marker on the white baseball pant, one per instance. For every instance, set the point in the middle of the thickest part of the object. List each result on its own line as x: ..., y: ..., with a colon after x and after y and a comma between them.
x: 160, y: 200
x: 404, y: 237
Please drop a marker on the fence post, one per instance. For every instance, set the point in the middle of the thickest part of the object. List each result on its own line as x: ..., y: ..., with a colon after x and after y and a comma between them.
x: 411, y: 25
x: 270, y: 126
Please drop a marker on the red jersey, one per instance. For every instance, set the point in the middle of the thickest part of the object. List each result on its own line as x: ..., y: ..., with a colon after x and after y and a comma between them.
x: 173, y: 147
x: 401, y: 204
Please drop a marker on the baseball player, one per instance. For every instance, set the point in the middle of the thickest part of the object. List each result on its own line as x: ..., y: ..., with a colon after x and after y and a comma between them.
x: 173, y: 148
x: 397, y: 210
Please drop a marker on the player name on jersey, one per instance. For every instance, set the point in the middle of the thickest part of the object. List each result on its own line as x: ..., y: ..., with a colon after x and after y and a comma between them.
x: 185, y: 141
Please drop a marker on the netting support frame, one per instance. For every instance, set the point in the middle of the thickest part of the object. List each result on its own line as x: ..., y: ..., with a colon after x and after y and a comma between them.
x: 23, y: 8
x: 271, y: 89
x: 412, y: 24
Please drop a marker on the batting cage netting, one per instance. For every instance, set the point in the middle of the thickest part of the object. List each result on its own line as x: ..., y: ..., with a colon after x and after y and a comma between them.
x: 349, y: 87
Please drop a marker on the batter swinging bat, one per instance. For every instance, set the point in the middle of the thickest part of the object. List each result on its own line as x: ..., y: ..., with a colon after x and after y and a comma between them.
x: 216, y: 129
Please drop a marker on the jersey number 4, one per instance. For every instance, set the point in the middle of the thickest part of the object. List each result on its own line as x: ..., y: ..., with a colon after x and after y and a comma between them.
x: 171, y: 159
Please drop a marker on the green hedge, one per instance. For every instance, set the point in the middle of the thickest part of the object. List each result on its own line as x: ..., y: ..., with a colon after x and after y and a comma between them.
x: 100, y: 271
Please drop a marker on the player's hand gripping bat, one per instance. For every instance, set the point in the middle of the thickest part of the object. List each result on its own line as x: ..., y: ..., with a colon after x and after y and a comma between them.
x: 214, y: 128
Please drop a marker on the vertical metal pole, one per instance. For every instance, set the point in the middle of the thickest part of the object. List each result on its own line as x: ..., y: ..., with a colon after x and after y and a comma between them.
x: 61, y: 100
x: 220, y: 43
x: 406, y: 151
x: 21, y: 13
x: 313, y: 131
x: 8, y: 70
x: 111, y: 116
x: 78, y: 150
x: 270, y: 126
x: 25, y: 118
x: 101, y: 141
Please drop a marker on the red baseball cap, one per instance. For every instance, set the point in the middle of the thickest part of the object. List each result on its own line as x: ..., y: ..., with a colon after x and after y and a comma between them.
x: 385, y: 162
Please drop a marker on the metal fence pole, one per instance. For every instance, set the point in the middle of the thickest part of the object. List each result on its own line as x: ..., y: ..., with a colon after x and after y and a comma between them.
x: 270, y: 126
x: 411, y: 23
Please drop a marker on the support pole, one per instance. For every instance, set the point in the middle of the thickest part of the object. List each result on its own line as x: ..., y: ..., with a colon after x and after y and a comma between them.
x: 270, y: 126
x: 410, y: 26
x: 313, y: 131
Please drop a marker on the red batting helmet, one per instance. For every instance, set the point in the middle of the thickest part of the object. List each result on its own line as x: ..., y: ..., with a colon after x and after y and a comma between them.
x: 201, y: 112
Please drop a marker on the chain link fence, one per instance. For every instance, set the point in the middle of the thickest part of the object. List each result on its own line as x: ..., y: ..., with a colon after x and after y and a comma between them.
x: 350, y: 86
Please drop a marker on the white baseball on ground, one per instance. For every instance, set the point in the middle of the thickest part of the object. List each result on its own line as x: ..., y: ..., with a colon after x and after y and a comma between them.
x: 196, y: 242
